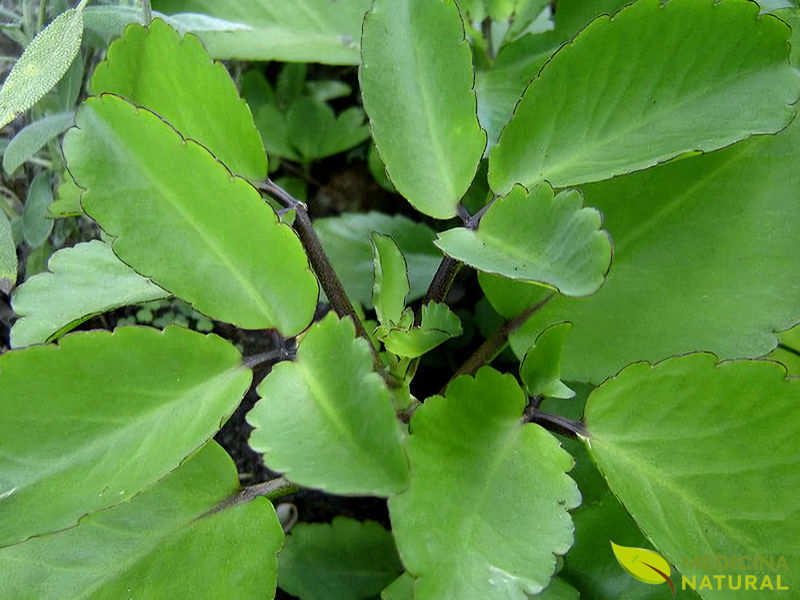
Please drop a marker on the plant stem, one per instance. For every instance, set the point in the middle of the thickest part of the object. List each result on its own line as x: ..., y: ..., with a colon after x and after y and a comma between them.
x: 319, y: 261
x: 442, y: 280
x: 276, y: 355
x: 272, y: 490
x: 495, y: 343
x: 42, y: 15
x: 555, y: 423
x: 147, y: 11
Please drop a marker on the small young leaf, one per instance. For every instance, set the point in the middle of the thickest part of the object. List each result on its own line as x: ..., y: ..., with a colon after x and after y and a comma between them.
x: 470, y: 537
x: 274, y: 130
x: 541, y: 368
x: 164, y: 543
x: 422, y: 110
x: 316, y: 31
x: 346, y: 240
x: 439, y: 324
x: 391, y: 279
x: 68, y: 199
x: 343, y: 560
x: 327, y: 419
x: 316, y: 132
x: 568, y: 129
x: 695, y: 445
x: 83, y: 281
x: 32, y: 138
x: 161, y: 197
x: 114, y: 414
x: 537, y: 237
x: 8, y: 255
x: 36, y: 224
x: 401, y: 588
x: 175, y: 78
x: 43, y: 64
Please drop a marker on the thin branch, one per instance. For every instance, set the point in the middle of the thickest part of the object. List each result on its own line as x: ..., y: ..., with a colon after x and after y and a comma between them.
x: 789, y: 349
x: 271, y: 490
x: 275, y: 355
x: 442, y: 280
x: 555, y: 423
x: 495, y: 343
x: 147, y: 12
x: 42, y: 15
x: 319, y: 261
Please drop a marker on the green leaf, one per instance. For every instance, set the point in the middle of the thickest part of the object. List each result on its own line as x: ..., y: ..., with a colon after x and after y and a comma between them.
x: 109, y: 22
x: 471, y: 537
x: 541, y: 368
x: 401, y: 588
x: 274, y: 130
x: 539, y: 237
x: 439, y: 324
x: 172, y: 76
x: 44, y: 62
x: 330, y: 424
x: 702, y: 454
x: 83, y: 281
x: 164, y: 543
x: 378, y: 169
x: 33, y: 138
x: 8, y: 255
x: 391, y: 279
x: 36, y: 224
x: 317, y: 132
x: 710, y: 243
x: 498, y: 89
x: 788, y: 350
x: 161, y: 196
x: 68, y: 199
x: 416, y: 81
x: 346, y: 241
x: 343, y: 560
x: 114, y: 413
x: 610, y: 120
x: 311, y: 31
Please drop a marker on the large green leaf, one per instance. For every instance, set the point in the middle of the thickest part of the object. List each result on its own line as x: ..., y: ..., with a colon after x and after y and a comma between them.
x: 83, y: 281
x: 416, y: 80
x: 8, y: 255
x: 705, y: 457
x: 499, y: 86
x: 164, y: 543
x: 585, y: 118
x: 32, y: 138
x: 493, y: 533
x: 343, y: 560
x: 305, y: 31
x: 537, y: 236
x: 174, y: 77
x: 346, y: 240
x: 704, y: 258
x: 180, y: 218
x: 327, y: 419
x: 44, y: 62
x: 89, y: 423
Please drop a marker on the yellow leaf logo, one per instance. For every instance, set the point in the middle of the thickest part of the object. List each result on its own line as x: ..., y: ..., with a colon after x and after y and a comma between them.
x: 645, y: 565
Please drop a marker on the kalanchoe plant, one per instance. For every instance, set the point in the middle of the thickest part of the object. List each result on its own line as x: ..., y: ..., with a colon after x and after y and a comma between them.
x: 625, y: 187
